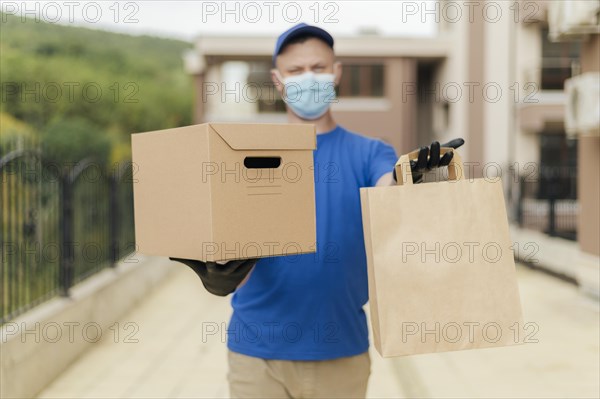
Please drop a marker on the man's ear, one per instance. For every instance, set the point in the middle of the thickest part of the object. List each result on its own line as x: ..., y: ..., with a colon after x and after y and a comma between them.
x: 275, y: 76
x: 337, y: 71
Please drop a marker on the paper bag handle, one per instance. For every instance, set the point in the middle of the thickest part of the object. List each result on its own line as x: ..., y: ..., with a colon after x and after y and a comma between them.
x: 404, y: 174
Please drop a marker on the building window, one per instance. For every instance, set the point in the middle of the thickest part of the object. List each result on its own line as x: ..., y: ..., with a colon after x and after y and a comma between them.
x: 360, y: 80
x: 263, y: 90
x: 560, y: 61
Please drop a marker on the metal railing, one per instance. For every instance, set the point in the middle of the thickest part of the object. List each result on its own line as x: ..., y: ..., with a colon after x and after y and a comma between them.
x: 550, y: 211
x: 58, y: 225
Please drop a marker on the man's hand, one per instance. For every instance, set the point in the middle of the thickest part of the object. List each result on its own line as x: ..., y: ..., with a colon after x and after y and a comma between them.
x: 429, y: 158
x: 219, y: 279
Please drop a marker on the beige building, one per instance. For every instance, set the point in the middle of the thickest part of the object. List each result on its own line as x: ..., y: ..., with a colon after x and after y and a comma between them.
x: 578, y: 21
x: 493, y: 74
x: 378, y: 92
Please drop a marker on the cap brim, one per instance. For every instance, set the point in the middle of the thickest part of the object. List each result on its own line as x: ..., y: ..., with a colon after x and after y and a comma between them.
x: 307, y: 30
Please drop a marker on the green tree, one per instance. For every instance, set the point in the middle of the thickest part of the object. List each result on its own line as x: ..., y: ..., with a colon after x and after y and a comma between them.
x: 67, y: 141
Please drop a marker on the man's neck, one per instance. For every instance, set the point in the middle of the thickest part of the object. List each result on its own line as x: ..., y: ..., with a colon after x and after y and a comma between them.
x: 324, y: 124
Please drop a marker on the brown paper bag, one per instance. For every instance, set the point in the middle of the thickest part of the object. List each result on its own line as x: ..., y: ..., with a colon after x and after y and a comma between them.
x: 440, y: 264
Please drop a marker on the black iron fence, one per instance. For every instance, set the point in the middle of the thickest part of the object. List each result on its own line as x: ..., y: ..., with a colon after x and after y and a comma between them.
x: 59, y: 223
x: 547, y: 206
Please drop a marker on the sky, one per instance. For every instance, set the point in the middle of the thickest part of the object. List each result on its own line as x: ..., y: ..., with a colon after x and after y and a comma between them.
x: 188, y: 19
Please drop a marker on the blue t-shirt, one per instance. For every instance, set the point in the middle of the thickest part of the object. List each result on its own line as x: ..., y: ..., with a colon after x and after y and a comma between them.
x: 310, y: 306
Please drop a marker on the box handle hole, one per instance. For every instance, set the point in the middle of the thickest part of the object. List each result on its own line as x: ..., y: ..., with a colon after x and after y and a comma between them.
x: 262, y: 162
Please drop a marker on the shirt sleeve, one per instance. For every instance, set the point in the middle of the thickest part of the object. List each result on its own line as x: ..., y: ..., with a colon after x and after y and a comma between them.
x: 381, y: 160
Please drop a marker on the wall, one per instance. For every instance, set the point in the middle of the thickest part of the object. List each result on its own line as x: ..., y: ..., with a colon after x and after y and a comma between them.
x: 396, y: 122
x: 588, y: 166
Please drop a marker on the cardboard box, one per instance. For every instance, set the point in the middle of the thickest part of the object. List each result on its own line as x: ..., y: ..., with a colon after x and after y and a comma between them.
x: 223, y: 191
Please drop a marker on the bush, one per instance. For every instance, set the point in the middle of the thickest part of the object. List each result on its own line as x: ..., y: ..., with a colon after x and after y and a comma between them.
x: 67, y: 141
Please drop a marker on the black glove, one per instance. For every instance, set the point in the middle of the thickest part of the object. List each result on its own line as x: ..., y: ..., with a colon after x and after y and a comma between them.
x: 218, y: 279
x: 429, y: 158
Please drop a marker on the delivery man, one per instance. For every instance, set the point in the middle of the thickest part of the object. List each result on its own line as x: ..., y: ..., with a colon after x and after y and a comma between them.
x: 298, y: 328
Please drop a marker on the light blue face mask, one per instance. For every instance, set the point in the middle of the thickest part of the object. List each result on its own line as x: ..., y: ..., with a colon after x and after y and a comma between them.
x: 309, y: 95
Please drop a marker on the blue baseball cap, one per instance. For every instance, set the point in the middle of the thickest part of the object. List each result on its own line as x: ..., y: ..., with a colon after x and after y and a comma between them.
x: 300, y: 30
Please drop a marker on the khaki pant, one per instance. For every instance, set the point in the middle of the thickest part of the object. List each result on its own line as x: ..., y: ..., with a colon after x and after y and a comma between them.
x: 253, y: 377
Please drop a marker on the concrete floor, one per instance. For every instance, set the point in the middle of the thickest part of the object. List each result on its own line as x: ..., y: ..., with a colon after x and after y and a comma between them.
x: 162, y: 354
